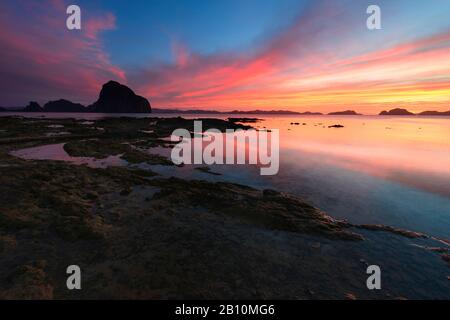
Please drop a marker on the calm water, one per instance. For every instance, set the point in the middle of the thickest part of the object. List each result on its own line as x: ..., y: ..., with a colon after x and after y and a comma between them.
x: 389, y: 170
x: 374, y: 170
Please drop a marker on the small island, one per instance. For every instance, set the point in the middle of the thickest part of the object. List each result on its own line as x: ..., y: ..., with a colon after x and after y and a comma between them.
x: 404, y: 112
x: 63, y: 105
x: 344, y: 113
x: 260, y: 112
x: 396, y: 112
x: 434, y: 113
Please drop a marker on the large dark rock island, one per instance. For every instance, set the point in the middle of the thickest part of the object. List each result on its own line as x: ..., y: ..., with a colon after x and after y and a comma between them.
x: 117, y: 98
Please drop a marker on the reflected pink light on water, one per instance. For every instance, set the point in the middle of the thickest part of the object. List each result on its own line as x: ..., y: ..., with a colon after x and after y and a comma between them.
x: 410, y: 150
x: 56, y: 152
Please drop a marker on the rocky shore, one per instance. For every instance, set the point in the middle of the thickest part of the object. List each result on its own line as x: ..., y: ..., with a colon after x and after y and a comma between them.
x: 137, y: 234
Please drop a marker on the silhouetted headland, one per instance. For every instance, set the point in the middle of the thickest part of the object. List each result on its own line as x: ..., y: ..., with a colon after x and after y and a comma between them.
x: 33, y: 107
x: 396, y: 112
x: 404, y: 112
x: 435, y: 113
x: 344, y: 113
x: 269, y: 112
x: 63, y: 105
x: 118, y: 98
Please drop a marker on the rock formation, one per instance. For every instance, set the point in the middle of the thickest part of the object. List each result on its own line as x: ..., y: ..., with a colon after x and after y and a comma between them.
x: 33, y: 107
x: 344, y: 113
x: 63, y: 106
x: 117, y: 98
x: 396, y: 112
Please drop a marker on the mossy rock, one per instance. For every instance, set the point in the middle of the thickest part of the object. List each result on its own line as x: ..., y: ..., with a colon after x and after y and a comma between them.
x: 29, y: 281
x: 74, y: 228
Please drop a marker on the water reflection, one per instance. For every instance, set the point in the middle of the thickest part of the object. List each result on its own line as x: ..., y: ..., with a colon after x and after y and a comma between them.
x: 56, y: 152
x: 390, y: 170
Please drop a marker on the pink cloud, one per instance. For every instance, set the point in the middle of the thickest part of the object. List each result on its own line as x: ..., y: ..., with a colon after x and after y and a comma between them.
x: 315, y: 64
x: 43, y: 59
x: 312, y: 64
x: 195, y: 79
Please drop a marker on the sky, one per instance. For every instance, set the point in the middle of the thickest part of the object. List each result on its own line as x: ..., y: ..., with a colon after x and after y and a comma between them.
x: 298, y: 55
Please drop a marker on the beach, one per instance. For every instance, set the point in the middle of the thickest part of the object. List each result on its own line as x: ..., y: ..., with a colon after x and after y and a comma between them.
x: 101, y: 192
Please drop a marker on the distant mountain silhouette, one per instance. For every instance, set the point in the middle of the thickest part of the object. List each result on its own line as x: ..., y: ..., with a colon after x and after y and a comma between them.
x: 344, y: 113
x: 63, y: 105
x: 311, y: 113
x: 270, y: 112
x: 33, y: 107
x: 117, y: 98
x: 396, y: 112
x: 434, y: 113
x: 195, y: 111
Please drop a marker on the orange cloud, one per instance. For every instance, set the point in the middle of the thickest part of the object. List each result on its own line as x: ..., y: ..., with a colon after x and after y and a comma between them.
x: 297, y: 70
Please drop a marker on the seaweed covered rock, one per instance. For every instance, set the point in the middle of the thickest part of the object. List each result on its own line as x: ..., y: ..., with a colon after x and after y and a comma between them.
x: 267, y: 209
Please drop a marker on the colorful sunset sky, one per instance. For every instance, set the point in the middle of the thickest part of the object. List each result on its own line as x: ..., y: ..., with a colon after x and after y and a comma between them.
x: 295, y: 55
